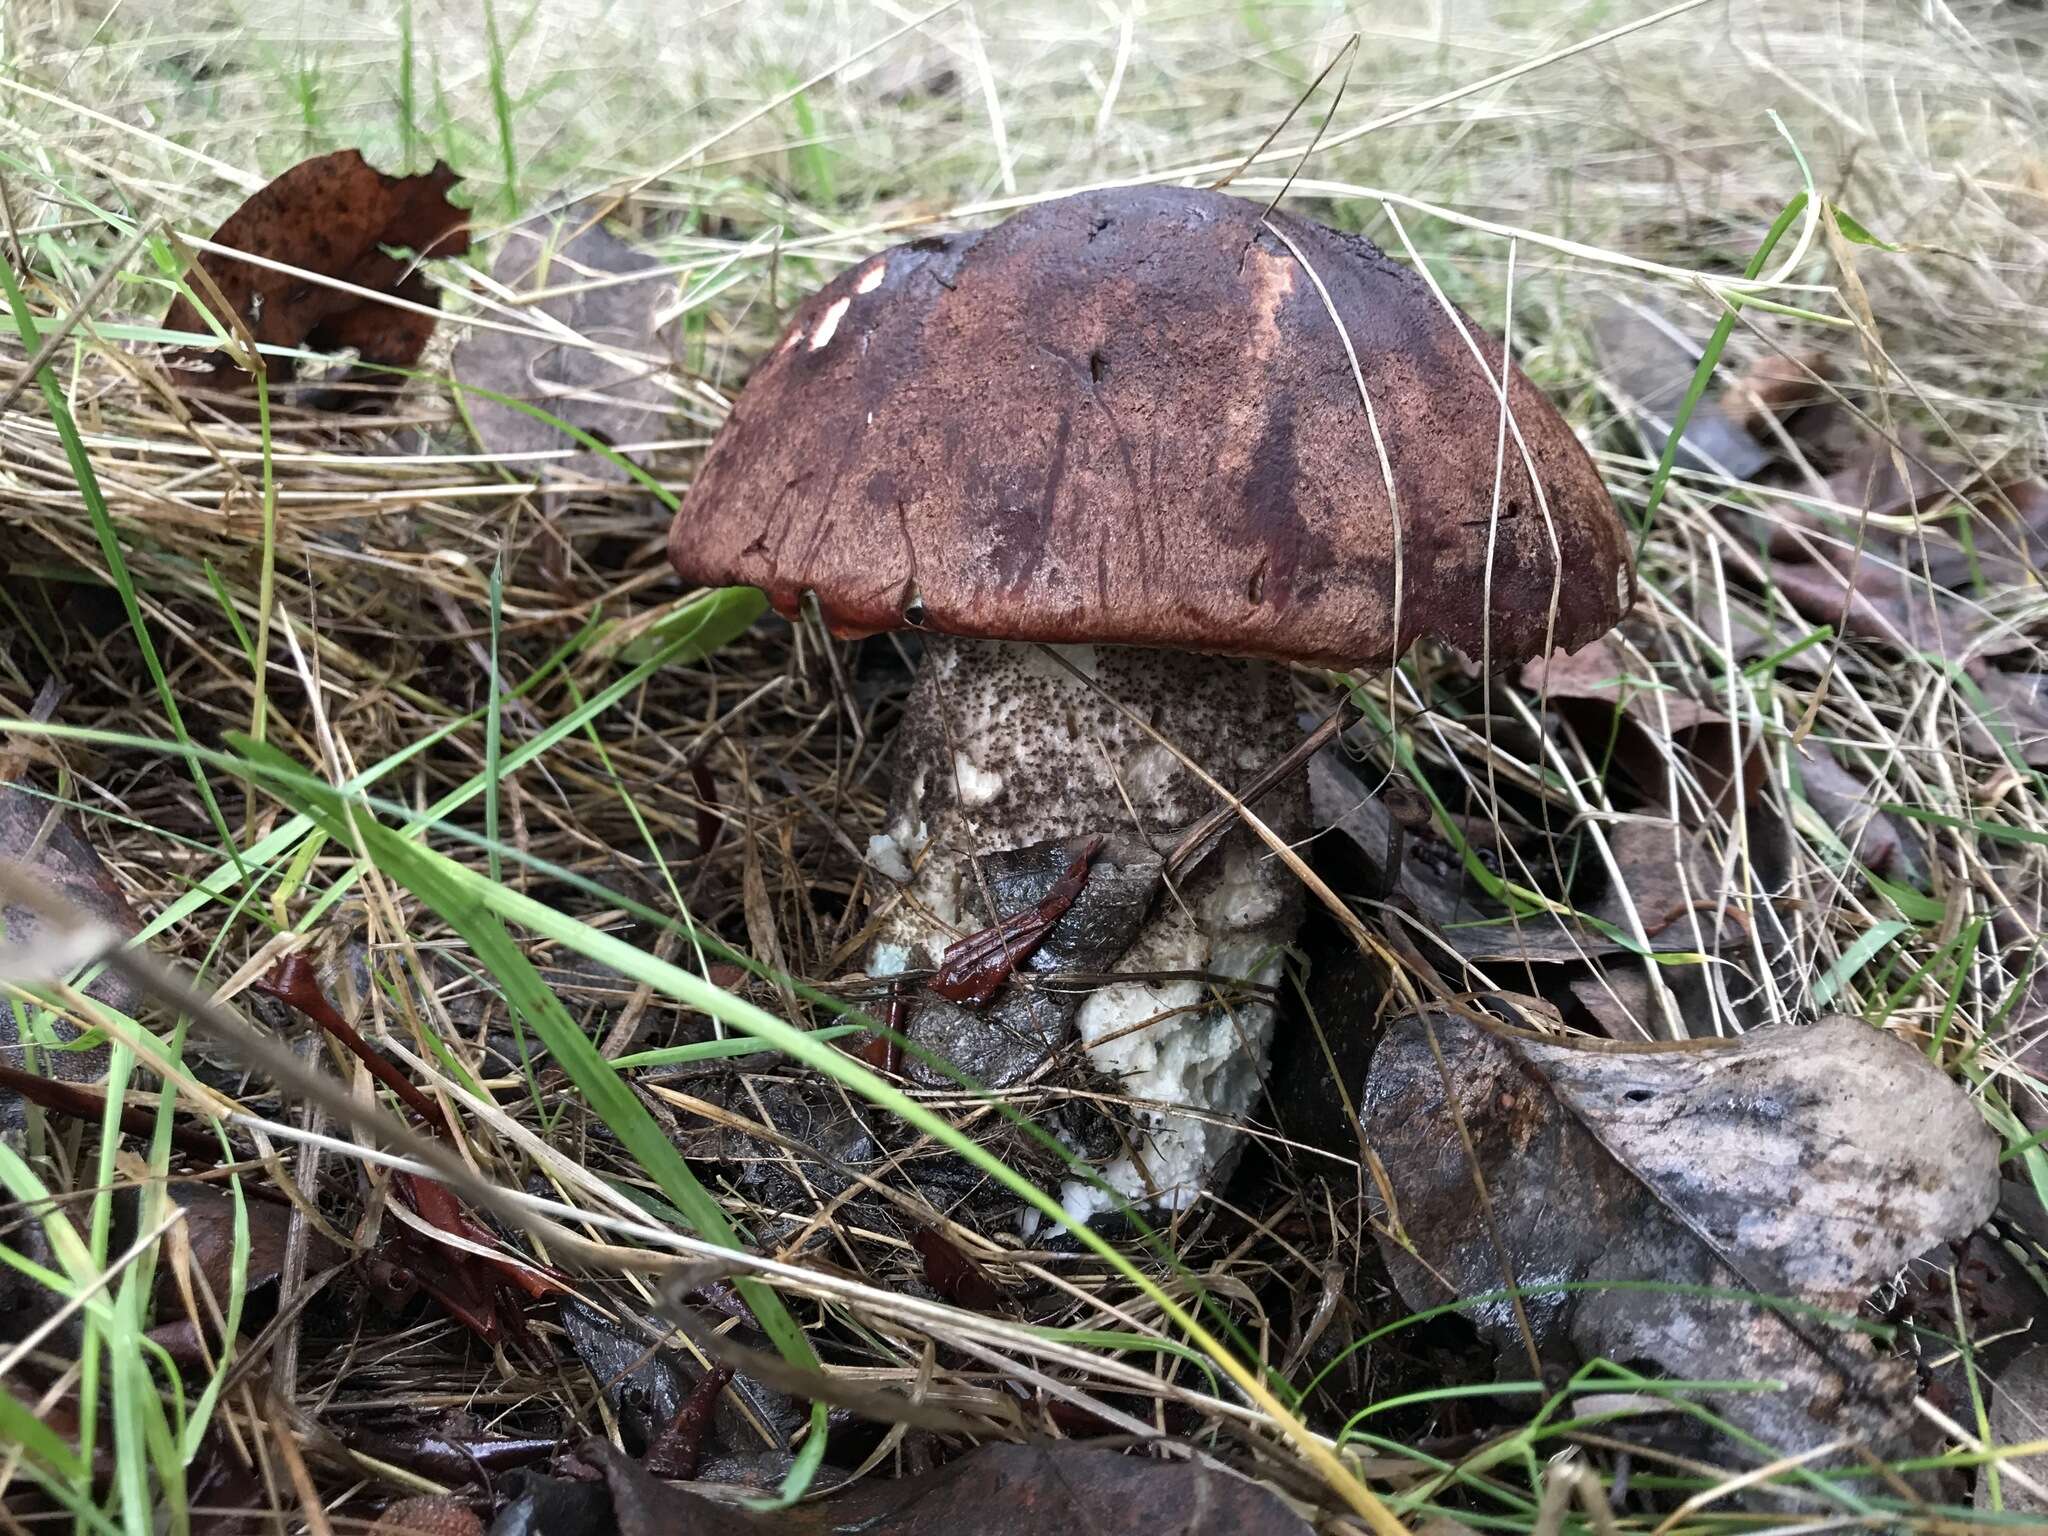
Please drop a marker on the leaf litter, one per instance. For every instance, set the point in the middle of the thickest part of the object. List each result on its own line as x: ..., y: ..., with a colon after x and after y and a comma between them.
x: 1005, y: 1490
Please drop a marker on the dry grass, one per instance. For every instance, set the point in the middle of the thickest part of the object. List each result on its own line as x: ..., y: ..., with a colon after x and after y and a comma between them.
x: 1642, y: 168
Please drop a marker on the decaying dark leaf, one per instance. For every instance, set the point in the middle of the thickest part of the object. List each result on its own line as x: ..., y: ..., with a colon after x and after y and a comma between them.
x: 333, y: 217
x: 1403, y: 857
x: 1666, y: 870
x: 619, y: 399
x: 646, y: 1381
x: 228, y: 1496
x: 953, y: 1274
x: 88, y: 1103
x: 1983, y: 1289
x: 649, y: 1384
x: 1767, y: 1164
x: 210, y: 1230
x: 1056, y: 1489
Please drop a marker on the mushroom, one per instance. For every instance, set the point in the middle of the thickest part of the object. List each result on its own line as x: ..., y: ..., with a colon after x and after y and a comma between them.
x: 1121, y: 459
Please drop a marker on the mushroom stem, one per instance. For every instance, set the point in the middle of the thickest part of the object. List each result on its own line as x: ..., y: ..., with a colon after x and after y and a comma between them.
x: 1004, y: 748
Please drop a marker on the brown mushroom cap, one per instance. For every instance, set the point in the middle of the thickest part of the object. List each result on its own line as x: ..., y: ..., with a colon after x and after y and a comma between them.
x: 1128, y: 417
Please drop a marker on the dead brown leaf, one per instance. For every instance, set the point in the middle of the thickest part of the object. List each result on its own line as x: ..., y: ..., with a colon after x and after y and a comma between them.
x: 333, y: 216
x: 1848, y: 803
x: 1775, y: 390
x: 1595, y: 681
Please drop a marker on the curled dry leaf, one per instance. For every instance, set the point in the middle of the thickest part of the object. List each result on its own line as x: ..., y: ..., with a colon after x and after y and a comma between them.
x: 1848, y: 803
x: 448, y: 1456
x: 1671, y: 882
x: 615, y: 394
x: 1096, y: 893
x: 974, y: 968
x: 1770, y: 1163
x: 332, y: 217
x: 1772, y: 392
x: 1655, y: 723
x: 1922, y: 555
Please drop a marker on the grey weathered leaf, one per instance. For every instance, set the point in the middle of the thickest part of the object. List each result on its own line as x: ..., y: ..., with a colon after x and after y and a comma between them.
x: 1773, y: 1163
x: 619, y: 398
x: 1849, y: 803
x: 2019, y: 1416
x: 1783, y: 1148
x: 37, y: 832
x: 1647, y: 362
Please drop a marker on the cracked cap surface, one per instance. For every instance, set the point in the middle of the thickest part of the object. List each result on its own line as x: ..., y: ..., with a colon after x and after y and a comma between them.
x: 1130, y: 417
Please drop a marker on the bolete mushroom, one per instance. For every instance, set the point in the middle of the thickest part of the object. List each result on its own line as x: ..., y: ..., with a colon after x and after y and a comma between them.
x: 1115, y: 458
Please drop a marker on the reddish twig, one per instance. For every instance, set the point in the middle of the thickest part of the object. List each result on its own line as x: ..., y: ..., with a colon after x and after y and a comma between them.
x: 975, y: 967
x: 82, y: 1102
x: 679, y: 1449
x: 293, y: 982
x: 709, y: 823
x: 885, y: 1051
